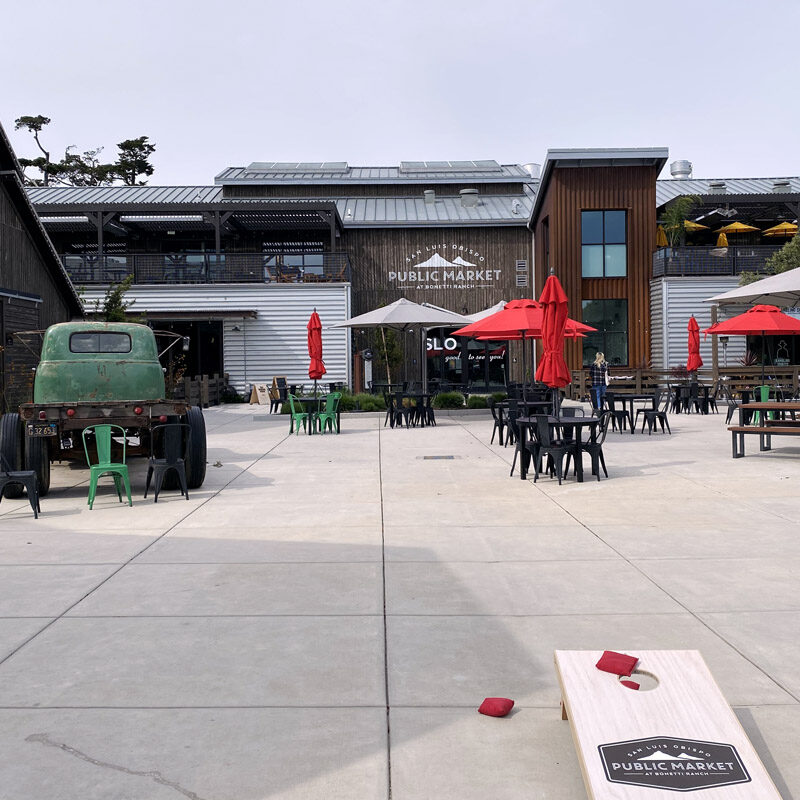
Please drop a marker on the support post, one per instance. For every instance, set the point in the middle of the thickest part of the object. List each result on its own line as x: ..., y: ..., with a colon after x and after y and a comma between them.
x: 714, y: 347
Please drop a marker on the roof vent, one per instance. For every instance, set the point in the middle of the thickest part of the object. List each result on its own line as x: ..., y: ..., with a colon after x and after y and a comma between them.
x: 469, y: 198
x: 717, y: 187
x: 515, y: 206
x: 430, y: 196
x: 781, y: 186
x: 681, y: 169
x: 534, y: 170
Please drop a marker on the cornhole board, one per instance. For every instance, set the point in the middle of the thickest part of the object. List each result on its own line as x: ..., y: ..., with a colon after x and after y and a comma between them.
x: 680, y: 736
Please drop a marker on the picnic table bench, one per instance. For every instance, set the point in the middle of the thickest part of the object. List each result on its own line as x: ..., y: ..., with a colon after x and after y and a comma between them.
x: 680, y: 736
x: 768, y: 426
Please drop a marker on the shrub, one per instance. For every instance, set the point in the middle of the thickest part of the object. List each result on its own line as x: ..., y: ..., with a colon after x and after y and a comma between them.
x: 370, y: 402
x: 448, y: 400
x: 498, y: 397
x: 477, y: 401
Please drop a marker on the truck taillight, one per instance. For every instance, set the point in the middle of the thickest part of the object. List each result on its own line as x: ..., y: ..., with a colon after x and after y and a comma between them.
x: 42, y: 415
x: 70, y: 412
x: 137, y: 410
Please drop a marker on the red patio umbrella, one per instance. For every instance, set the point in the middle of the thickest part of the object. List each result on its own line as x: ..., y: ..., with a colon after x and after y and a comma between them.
x: 694, y: 362
x: 518, y: 319
x: 766, y: 320
x: 553, y: 369
x: 316, y: 369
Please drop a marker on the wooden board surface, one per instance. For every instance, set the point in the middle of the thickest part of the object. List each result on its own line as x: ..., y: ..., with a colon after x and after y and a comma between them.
x: 686, y: 704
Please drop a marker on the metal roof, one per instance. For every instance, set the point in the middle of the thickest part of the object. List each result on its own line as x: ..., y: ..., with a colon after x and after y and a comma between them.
x: 670, y: 188
x: 596, y: 157
x: 407, y: 172
x: 42, y: 196
x: 365, y: 211
x: 412, y: 211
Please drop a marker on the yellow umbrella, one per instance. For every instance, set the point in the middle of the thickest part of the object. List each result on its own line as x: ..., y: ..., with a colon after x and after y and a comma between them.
x: 694, y: 226
x: 661, y: 237
x: 722, y: 240
x: 784, y: 229
x: 736, y: 227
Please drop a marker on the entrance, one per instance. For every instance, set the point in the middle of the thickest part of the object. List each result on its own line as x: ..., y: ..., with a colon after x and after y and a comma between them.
x: 204, y: 356
x: 460, y: 363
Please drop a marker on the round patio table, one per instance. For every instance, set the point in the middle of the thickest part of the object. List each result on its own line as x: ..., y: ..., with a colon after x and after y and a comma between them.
x: 575, y: 424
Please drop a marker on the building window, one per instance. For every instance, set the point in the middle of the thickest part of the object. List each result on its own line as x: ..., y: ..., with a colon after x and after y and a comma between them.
x: 610, y: 317
x: 604, y: 252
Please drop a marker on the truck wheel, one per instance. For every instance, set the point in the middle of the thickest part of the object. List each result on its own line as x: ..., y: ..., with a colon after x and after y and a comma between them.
x: 37, y: 458
x: 196, y: 463
x: 11, y: 449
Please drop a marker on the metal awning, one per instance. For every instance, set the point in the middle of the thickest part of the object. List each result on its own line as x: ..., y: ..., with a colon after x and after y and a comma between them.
x: 199, y: 316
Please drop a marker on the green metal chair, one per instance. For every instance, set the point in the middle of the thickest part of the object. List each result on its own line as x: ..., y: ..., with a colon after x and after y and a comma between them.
x: 297, y: 416
x: 760, y: 395
x: 327, y: 417
x: 105, y: 466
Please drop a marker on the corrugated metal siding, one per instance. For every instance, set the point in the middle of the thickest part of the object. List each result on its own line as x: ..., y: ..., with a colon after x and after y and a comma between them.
x: 669, y: 188
x: 657, y: 324
x: 684, y: 297
x: 275, y: 342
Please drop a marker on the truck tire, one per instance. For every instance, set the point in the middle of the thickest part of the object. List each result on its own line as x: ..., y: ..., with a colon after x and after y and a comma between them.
x: 37, y: 458
x: 11, y: 449
x: 196, y: 460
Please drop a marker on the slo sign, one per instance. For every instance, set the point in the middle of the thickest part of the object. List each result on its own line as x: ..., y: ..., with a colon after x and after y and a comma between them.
x: 680, y: 765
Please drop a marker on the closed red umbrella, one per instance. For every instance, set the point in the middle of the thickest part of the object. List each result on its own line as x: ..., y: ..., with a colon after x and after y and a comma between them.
x: 553, y: 369
x: 763, y: 319
x: 316, y: 369
x: 694, y: 362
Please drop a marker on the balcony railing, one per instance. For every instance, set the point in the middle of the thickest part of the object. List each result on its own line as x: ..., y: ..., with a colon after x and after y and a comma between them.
x: 171, y: 268
x: 683, y: 261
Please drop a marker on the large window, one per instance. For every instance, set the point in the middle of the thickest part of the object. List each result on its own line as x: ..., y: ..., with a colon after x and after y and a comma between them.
x: 610, y: 317
x: 604, y: 250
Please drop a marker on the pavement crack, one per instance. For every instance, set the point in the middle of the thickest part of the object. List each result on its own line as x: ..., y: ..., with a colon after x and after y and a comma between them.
x: 154, y: 775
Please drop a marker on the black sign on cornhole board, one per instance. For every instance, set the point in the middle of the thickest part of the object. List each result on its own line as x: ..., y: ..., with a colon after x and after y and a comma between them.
x: 678, y: 765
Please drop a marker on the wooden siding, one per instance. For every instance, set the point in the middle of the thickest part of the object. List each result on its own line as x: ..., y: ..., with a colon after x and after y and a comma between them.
x: 21, y: 266
x: 375, y: 253
x: 574, y: 189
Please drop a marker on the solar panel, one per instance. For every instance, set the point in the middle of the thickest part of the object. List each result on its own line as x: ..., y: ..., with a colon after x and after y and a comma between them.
x: 450, y: 166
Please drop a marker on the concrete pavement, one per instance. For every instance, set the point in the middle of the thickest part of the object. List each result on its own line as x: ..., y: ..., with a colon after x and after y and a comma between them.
x: 324, y: 616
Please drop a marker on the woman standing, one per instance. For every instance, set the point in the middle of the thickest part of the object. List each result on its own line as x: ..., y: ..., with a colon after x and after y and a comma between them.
x: 598, y: 373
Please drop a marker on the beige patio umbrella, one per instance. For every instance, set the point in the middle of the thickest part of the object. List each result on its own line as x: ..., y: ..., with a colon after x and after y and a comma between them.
x: 736, y: 227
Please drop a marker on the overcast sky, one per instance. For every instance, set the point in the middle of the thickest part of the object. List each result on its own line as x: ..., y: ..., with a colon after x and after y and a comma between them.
x: 217, y: 84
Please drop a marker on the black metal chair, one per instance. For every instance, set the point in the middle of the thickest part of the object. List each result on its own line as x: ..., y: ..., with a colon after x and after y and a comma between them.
x: 427, y: 411
x: 556, y: 450
x: 618, y: 415
x: 513, y: 431
x: 20, y: 477
x: 656, y: 414
x: 172, y: 441
x: 654, y: 403
x: 499, y: 421
x: 396, y: 411
x: 595, y: 448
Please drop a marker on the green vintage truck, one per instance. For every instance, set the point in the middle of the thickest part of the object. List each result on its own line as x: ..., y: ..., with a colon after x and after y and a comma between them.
x: 89, y: 373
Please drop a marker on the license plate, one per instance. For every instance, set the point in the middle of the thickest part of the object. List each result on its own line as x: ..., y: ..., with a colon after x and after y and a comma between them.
x: 42, y: 429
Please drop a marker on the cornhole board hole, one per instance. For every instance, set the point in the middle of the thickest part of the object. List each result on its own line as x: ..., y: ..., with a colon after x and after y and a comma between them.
x: 677, y: 733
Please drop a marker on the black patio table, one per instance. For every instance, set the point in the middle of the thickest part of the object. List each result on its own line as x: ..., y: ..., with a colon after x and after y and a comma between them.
x: 626, y: 398
x: 575, y: 424
x: 419, y: 399
x: 683, y: 397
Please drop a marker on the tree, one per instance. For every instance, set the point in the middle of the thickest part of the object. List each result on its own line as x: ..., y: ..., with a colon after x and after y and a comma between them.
x: 34, y: 125
x: 85, y: 168
x: 788, y: 257
x: 674, y: 217
x: 114, y: 305
x: 134, y: 155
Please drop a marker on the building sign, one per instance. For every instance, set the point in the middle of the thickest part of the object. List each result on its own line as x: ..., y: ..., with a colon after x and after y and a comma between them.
x: 445, y: 266
x: 679, y: 765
